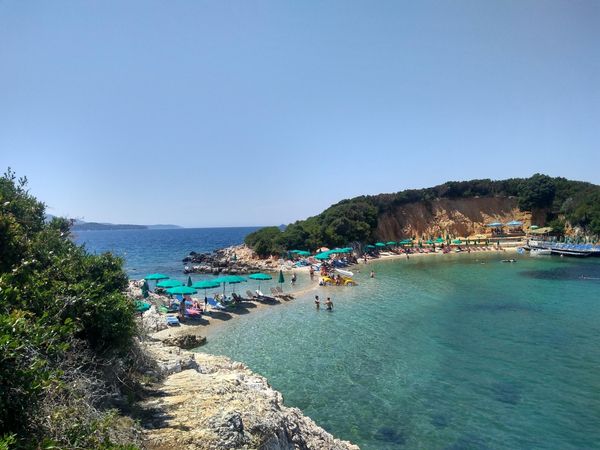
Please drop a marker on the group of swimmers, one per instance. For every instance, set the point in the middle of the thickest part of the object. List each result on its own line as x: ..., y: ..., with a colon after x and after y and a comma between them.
x: 328, y: 303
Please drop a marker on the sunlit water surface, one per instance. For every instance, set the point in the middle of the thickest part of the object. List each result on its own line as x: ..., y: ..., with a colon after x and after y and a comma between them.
x: 441, y: 352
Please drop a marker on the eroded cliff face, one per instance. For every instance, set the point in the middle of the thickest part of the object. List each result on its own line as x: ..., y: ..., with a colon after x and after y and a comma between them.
x: 211, y: 402
x: 457, y: 217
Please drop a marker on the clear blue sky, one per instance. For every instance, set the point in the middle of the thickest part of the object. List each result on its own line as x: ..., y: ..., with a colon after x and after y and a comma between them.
x: 264, y: 112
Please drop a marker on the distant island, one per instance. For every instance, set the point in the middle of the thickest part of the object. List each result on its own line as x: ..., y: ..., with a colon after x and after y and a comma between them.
x: 95, y: 226
x: 80, y: 225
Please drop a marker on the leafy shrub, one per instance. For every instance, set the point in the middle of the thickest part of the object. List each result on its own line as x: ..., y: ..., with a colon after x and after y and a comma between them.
x: 52, y: 293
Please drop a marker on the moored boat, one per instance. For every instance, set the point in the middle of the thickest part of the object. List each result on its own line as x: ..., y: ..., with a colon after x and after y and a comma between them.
x: 540, y: 252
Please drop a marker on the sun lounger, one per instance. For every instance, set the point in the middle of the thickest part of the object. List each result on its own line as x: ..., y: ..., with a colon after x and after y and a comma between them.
x: 262, y: 297
x: 215, y: 304
x: 283, y: 294
x: 251, y: 295
x: 172, y: 321
x: 193, y: 313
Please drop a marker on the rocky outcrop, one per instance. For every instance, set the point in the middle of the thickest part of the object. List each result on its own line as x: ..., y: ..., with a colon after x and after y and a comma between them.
x: 210, y: 402
x: 238, y: 259
x: 457, y: 217
x: 186, y: 341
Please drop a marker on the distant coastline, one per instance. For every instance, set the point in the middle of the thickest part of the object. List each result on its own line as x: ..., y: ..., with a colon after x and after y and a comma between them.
x: 95, y: 226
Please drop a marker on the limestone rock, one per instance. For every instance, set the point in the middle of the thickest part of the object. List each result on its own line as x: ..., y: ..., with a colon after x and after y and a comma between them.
x: 212, y: 402
x: 186, y: 341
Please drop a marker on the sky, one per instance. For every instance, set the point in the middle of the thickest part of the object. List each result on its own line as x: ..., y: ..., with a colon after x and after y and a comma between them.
x: 233, y: 113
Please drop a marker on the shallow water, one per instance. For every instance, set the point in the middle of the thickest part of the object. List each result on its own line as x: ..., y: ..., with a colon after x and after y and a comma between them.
x: 441, y: 352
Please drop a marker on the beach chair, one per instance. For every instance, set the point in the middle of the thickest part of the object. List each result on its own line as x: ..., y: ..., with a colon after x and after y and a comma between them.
x: 262, y: 297
x: 215, y: 304
x: 237, y: 298
x: 250, y: 295
x: 283, y: 294
x: 172, y: 321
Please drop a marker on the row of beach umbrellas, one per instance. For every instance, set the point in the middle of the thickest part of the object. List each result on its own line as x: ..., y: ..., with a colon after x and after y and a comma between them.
x: 176, y: 287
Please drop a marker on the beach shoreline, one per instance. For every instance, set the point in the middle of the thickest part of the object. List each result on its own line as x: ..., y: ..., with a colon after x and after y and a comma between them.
x: 214, y: 321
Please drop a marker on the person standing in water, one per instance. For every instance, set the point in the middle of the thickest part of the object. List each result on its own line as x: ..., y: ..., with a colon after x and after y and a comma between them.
x: 372, y: 274
x: 329, y: 304
x: 317, y: 302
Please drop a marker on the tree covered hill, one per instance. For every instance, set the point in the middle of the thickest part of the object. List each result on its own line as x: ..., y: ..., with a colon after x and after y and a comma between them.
x: 559, y: 200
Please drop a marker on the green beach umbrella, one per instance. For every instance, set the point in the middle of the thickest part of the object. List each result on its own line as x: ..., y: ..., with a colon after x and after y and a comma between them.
x: 281, y: 280
x: 181, y: 290
x: 379, y: 244
x: 169, y: 283
x: 371, y: 247
x: 322, y: 256
x: 189, y: 283
x: 145, y: 289
x: 231, y: 279
x: 206, y: 284
x: 439, y: 240
x: 156, y: 276
x: 429, y: 242
x: 390, y: 243
x: 142, y: 306
x: 457, y: 241
x: 260, y: 277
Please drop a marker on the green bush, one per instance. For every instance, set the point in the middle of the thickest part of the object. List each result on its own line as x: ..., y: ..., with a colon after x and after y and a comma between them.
x: 52, y: 293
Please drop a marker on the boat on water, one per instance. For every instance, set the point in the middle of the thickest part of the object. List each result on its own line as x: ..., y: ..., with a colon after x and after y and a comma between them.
x: 345, y: 273
x: 564, y: 249
x: 540, y: 252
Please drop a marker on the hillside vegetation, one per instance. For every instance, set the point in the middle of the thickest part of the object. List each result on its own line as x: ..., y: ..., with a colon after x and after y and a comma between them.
x: 557, y: 202
x: 66, y: 331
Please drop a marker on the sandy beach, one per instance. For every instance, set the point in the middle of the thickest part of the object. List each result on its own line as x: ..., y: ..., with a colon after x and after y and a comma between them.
x: 213, y: 320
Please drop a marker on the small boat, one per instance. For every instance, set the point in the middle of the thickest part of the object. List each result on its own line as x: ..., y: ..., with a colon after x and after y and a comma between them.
x: 509, y: 260
x: 345, y: 273
x: 540, y: 252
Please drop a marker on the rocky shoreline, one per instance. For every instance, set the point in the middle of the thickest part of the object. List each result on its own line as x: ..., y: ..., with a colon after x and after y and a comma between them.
x: 208, y: 402
x: 238, y: 259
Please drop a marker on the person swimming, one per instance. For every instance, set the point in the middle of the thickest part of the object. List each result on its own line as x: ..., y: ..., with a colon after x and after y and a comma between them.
x: 329, y: 304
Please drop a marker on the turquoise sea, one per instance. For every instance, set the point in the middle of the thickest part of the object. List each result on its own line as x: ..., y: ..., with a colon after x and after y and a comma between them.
x: 440, y: 352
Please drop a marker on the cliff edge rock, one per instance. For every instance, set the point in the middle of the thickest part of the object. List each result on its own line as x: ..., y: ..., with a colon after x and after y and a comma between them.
x: 210, y: 402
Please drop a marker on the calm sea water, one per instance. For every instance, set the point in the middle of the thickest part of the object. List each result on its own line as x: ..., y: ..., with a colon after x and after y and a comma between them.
x: 150, y: 251
x: 448, y: 352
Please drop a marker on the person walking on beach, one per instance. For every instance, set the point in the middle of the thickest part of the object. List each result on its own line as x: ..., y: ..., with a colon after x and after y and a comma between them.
x: 182, y: 309
x: 293, y: 279
x: 311, y: 271
x: 317, y: 302
x: 329, y: 304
